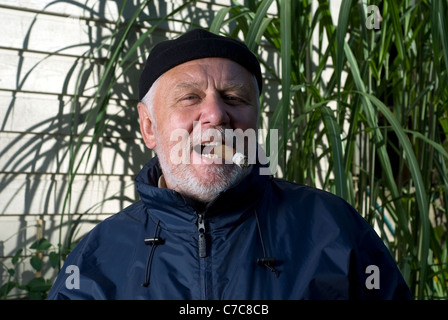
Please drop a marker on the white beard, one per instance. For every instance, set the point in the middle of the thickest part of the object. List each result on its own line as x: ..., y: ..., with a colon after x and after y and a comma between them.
x: 182, y: 178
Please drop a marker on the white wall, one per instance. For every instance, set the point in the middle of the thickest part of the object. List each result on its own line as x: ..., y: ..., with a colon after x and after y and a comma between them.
x: 44, y: 46
x: 41, y: 42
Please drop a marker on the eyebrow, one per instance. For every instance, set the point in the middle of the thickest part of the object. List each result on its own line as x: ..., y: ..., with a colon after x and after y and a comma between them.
x: 228, y: 86
x: 235, y: 86
x: 187, y: 85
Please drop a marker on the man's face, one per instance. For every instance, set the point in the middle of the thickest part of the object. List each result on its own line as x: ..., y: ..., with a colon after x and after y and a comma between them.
x: 200, y: 97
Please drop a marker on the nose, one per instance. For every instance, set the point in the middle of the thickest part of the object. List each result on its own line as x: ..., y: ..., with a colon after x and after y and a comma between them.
x: 214, y: 112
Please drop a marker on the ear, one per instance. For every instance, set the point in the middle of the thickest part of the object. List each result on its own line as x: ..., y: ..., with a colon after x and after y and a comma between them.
x: 146, y: 126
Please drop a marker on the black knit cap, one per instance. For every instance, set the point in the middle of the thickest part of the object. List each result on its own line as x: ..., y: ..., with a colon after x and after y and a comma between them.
x: 195, y: 44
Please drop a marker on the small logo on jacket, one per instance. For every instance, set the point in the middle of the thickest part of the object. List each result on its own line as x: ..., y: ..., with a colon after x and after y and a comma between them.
x: 72, y: 281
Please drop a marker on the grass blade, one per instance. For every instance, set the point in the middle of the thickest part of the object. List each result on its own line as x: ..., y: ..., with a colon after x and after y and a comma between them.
x: 341, y: 32
x: 256, y: 25
x: 217, y: 22
x: 285, y: 38
x: 334, y: 138
x: 422, y: 202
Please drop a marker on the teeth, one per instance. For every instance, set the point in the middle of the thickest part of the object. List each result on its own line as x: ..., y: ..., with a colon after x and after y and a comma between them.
x: 210, y: 156
x: 199, y: 148
x: 211, y: 143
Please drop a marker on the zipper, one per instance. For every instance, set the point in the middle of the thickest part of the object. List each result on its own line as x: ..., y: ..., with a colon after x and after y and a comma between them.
x: 202, y: 250
x: 202, y: 244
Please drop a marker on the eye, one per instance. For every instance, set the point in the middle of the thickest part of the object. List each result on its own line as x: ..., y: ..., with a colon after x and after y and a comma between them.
x: 232, y: 99
x: 189, y: 99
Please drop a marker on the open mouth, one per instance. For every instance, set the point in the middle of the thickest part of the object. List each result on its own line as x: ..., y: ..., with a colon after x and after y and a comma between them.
x: 215, y: 150
x: 206, y: 149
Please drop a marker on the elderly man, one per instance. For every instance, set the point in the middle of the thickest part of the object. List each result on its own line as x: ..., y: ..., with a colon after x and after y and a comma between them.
x: 208, y: 228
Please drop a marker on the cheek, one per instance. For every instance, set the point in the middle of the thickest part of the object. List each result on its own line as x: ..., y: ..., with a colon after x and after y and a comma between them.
x: 245, y: 120
x: 181, y: 121
x: 173, y: 127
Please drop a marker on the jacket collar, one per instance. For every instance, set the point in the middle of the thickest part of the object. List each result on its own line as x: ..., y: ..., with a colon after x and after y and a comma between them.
x: 179, y: 214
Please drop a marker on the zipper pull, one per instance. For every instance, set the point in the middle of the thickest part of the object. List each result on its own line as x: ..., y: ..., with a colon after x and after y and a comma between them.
x: 202, y: 245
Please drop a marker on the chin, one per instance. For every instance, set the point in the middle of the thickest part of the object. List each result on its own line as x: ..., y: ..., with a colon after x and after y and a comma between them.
x: 204, y: 182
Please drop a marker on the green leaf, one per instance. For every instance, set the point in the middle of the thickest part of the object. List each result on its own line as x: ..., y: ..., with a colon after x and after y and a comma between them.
x: 38, y: 288
x: 54, y: 259
x: 372, y: 121
x: 256, y: 25
x: 285, y: 37
x: 39, y: 285
x: 218, y: 20
x: 16, y: 256
x: 341, y: 31
x: 398, y: 32
x: 434, y: 144
x: 11, y: 272
x: 334, y: 138
x: 36, y: 263
x: 41, y: 245
x: 6, y: 288
x: 420, y: 191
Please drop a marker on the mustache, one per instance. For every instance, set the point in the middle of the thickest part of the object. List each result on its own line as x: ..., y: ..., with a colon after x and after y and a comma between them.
x: 200, y: 137
x: 211, y: 134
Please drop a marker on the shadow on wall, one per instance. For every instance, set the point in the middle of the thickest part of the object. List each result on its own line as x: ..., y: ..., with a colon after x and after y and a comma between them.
x: 71, y: 145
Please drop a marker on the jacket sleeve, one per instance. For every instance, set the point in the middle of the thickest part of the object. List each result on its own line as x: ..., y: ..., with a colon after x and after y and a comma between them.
x: 76, y: 281
x: 375, y: 274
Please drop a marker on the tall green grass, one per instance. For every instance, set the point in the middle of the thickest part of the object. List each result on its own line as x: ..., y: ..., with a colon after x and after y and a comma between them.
x: 382, y: 111
x: 378, y: 118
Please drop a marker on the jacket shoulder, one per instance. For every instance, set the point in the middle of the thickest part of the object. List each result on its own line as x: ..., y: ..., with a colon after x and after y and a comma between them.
x: 295, y: 193
x: 343, y: 237
x: 110, y: 238
x: 124, y: 221
x: 305, y: 205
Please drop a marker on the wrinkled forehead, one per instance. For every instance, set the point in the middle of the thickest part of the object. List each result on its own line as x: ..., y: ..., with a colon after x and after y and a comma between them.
x: 195, y: 44
x: 221, y: 73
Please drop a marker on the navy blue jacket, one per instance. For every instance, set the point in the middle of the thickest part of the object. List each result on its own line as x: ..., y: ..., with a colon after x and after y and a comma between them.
x: 266, y: 238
